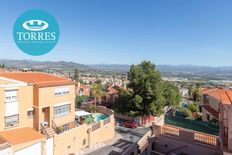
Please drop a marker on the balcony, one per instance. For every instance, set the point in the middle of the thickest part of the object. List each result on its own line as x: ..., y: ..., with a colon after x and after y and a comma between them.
x: 65, y: 127
x: 175, y: 140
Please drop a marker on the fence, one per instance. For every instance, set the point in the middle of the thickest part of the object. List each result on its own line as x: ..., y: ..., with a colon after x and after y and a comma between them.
x: 192, y: 124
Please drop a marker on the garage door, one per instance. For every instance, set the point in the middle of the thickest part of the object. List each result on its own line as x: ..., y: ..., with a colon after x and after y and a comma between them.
x: 34, y: 149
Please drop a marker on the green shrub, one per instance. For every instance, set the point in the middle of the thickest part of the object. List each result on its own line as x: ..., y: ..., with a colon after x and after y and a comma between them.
x: 59, y: 129
x: 186, y: 112
x: 90, y: 108
x: 194, y: 107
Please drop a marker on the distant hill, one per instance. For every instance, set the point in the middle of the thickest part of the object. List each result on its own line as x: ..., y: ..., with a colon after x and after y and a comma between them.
x: 43, y: 65
x: 111, y: 67
x: 222, y: 72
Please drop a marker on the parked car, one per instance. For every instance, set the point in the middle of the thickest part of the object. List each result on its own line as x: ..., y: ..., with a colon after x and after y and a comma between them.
x: 129, y: 124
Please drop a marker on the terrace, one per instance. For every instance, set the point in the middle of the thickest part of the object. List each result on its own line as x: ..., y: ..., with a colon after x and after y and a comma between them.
x: 175, y: 140
x: 96, y: 120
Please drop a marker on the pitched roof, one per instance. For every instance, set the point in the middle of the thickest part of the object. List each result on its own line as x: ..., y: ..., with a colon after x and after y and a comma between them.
x: 21, y: 135
x: 223, y: 95
x: 41, y: 79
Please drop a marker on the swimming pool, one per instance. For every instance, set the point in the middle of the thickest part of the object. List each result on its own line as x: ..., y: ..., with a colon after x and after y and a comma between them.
x: 99, y: 117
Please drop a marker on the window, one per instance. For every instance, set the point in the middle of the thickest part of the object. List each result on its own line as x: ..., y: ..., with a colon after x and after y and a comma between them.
x: 30, y: 113
x: 208, y: 117
x: 84, y: 141
x: 59, y: 91
x: 61, y: 110
x: 11, y: 95
x: 11, y: 120
x: 66, y: 127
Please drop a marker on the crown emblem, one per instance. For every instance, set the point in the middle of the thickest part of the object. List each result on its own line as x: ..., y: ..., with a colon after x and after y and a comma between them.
x: 35, y: 25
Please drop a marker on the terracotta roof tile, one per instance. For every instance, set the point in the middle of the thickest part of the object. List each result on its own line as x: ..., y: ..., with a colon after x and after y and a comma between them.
x: 21, y: 135
x: 224, y: 95
x: 41, y: 79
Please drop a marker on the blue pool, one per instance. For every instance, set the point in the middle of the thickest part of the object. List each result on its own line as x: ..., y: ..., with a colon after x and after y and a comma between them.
x: 99, y: 117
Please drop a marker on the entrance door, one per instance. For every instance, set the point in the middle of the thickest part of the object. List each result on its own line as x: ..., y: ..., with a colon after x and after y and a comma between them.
x: 46, y: 115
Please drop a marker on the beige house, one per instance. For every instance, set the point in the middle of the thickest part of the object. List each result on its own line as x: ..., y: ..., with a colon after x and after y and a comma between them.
x: 43, y: 106
x: 210, y: 104
x: 217, y: 104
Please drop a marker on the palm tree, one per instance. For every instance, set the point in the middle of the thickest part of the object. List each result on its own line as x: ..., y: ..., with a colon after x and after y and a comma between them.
x: 97, y: 91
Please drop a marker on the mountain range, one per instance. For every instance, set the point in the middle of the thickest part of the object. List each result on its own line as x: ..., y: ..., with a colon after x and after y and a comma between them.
x: 70, y: 66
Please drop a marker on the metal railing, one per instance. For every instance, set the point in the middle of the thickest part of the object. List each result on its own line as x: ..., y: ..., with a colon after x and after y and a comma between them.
x: 106, y: 121
x: 61, y: 129
x: 5, y: 146
x: 95, y: 126
x: 43, y: 130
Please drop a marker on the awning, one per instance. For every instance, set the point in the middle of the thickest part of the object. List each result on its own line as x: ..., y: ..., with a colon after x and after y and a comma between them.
x: 81, y: 113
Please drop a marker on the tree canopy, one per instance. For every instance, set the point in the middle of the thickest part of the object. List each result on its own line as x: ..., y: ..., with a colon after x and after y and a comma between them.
x: 97, y: 91
x: 171, y: 94
x: 147, y: 92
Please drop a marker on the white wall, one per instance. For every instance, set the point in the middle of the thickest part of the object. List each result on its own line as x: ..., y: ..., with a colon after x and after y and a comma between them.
x: 49, y: 146
x: 35, y: 149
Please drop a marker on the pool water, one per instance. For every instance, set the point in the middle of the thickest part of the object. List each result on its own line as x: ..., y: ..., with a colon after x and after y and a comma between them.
x: 99, y: 117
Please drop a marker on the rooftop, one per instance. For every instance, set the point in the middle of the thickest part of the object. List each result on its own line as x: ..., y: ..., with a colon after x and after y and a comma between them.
x: 224, y: 95
x: 21, y: 135
x: 39, y: 78
x: 129, y: 138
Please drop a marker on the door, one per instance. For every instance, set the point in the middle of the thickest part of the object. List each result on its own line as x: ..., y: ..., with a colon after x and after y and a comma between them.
x: 46, y: 114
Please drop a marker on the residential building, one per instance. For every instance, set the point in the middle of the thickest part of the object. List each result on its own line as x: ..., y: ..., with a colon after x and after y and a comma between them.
x: 43, y: 106
x: 210, y: 104
x: 217, y: 104
x: 83, y: 89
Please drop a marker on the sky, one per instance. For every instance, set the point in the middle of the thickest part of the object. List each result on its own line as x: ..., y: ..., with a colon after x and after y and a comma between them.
x: 175, y: 32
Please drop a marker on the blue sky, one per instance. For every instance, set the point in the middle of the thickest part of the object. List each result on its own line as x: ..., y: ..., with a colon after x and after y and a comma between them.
x: 197, y: 32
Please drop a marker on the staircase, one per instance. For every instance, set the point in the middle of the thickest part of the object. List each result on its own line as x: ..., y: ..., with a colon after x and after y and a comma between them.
x: 48, y: 132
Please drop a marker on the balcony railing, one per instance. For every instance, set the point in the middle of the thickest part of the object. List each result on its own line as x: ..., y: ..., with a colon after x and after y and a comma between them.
x: 170, y: 131
x: 95, y: 126
x: 106, y: 121
x: 4, y: 146
x: 205, y: 139
x: 65, y: 127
